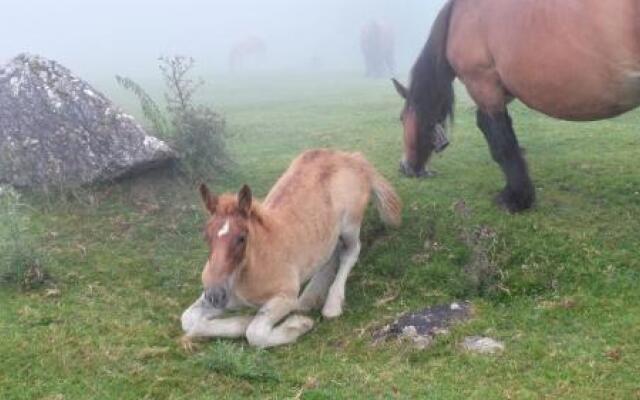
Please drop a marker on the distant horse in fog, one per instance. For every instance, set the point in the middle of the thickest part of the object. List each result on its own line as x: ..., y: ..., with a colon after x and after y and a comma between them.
x: 377, y: 42
x: 250, y: 50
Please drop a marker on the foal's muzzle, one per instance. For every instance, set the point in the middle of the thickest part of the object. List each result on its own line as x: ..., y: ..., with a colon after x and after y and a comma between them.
x: 217, y: 297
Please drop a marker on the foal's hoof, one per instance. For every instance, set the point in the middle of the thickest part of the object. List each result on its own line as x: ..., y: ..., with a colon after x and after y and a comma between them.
x: 298, y: 323
x: 514, y: 202
x: 332, y: 308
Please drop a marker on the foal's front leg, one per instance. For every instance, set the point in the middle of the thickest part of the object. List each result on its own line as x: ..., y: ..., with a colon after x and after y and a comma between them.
x: 201, y: 320
x: 232, y: 327
x: 263, y: 332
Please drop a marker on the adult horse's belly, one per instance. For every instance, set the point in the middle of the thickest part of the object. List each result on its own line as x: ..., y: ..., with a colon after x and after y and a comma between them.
x: 577, y: 93
x: 570, y: 59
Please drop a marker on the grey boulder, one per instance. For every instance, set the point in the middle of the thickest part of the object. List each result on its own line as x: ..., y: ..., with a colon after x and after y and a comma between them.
x: 55, y: 129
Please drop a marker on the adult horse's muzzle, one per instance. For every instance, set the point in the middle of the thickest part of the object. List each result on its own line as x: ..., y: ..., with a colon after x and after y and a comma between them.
x: 440, y: 143
x: 410, y: 172
x: 407, y: 170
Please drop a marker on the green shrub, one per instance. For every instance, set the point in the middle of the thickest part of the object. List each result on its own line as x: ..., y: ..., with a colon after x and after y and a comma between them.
x: 196, y: 132
x: 21, y: 262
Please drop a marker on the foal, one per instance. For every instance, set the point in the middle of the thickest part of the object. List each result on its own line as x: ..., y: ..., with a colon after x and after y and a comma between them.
x: 306, y: 231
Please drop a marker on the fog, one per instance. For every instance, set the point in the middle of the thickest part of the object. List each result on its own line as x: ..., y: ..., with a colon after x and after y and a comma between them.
x: 103, y: 37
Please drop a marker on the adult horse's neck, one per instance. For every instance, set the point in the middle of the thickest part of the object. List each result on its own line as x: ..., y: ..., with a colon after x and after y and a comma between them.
x: 431, y: 91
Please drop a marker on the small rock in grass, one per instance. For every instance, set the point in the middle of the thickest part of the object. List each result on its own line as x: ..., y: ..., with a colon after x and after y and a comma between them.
x: 52, y: 292
x: 420, y: 342
x: 482, y: 345
x: 421, y: 327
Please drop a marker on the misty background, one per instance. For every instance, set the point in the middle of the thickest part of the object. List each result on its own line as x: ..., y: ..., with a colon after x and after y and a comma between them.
x: 99, y: 38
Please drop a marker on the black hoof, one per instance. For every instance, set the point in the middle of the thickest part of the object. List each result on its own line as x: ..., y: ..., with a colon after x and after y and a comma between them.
x: 515, y: 202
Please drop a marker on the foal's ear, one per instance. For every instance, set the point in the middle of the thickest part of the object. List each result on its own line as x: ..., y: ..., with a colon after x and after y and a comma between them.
x: 244, y: 199
x: 400, y: 88
x: 210, y: 200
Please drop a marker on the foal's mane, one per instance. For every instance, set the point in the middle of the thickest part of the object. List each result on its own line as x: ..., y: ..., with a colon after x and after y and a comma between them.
x: 431, y: 90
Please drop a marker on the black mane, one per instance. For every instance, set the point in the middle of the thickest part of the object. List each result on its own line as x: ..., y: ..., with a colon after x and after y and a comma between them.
x: 431, y: 90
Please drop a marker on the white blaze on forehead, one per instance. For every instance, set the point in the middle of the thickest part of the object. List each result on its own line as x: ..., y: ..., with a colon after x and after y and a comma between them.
x: 224, y: 230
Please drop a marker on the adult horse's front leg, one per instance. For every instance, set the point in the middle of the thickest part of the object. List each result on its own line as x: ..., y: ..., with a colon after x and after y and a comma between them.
x: 519, y: 193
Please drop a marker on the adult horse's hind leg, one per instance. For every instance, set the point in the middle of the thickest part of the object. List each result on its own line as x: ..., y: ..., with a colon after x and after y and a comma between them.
x: 519, y: 193
x: 349, y: 253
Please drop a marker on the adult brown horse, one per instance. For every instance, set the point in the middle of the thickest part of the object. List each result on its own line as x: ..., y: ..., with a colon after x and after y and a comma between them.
x: 576, y: 60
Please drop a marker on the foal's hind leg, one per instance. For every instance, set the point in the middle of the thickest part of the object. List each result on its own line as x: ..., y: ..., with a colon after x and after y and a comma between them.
x: 348, y: 253
x: 519, y: 193
x: 315, y: 293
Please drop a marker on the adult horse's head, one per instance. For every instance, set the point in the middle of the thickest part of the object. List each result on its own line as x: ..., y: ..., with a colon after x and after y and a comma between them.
x: 227, y: 234
x: 429, y: 100
x: 423, y: 133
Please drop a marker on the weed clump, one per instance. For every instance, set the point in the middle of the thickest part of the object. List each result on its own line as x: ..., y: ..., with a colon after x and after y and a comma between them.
x: 237, y: 362
x: 482, y: 271
x: 21, y: 262
x: 196, y: 132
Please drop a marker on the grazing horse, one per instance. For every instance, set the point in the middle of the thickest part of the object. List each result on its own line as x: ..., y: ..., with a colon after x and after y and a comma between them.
x: 251, y: 48
x: 306, y: 230
x: 576, y: 60
x: 378, y: 48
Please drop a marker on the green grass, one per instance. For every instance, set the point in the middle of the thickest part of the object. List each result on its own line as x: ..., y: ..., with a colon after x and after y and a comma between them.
x: 128, y: 263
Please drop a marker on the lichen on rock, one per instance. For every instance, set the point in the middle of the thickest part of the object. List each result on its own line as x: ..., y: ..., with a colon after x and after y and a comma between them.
x: 55, y: 129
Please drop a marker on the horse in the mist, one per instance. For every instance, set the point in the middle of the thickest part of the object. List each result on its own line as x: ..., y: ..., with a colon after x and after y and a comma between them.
x: 307, y: 230
x: 576, y: 60
x: 377, y: 42
x: 250, y: 51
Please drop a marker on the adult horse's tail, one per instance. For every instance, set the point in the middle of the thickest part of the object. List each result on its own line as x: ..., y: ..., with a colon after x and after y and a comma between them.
x: 431, y: 90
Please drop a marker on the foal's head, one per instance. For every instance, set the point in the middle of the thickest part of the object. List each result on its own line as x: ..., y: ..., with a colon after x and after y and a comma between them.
x: 227, y: 234
x: 420, y: 138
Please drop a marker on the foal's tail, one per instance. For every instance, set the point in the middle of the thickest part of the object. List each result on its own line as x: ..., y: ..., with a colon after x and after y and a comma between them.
x: 386, y: 199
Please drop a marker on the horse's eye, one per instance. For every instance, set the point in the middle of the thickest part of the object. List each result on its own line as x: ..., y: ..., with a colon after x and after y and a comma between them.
x: 241, y: 239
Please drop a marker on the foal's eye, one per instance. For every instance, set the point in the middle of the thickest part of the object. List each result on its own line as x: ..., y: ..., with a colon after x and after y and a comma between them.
x: 241, y: 239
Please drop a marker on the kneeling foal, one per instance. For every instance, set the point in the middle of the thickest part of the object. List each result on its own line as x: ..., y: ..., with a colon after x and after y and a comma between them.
x: 306, y: 231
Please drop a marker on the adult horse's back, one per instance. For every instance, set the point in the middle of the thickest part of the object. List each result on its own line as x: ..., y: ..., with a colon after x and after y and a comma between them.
x: 576, y: 60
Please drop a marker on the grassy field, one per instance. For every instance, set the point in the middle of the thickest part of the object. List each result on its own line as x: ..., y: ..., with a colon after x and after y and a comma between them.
x: 562, y: 290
